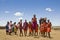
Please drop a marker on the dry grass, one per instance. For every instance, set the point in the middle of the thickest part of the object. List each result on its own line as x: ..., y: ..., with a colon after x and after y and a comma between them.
x: 55, y: 35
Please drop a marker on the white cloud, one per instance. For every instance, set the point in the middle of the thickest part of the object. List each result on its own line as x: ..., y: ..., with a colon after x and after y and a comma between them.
x: 49, y: 9
x: 6, y: 11
x: 18, y: 14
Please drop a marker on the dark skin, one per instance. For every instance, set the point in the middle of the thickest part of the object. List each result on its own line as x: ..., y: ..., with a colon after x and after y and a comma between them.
x: 6, y: 27
x: 21, y: 32
x: 30, y: 33
x: 11, y: 31
x: 25, y: 31
x: 15, y: 32
x: 34, y: 33
x: 49, y: 32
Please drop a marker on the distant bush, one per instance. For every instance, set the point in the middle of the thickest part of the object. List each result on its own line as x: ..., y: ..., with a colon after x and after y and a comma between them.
x: 2, y: 27
x: 56, y: 27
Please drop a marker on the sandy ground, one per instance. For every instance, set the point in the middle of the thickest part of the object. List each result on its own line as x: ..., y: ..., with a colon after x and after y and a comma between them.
x: 55, y: 35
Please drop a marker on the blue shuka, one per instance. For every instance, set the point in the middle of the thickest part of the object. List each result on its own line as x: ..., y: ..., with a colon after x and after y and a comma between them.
x: 7, y: 28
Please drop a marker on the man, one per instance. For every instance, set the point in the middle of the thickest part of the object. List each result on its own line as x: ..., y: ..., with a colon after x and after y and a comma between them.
x: 20, y: 27
x: 30, y: 28
x: 25, y: 26
x: 7, y: 28
x: 42, y: 28
x: 49, y: 28
x: 34, y: 23
x: 45, y: 27
x: 15, y: 28
x: 10, y: 27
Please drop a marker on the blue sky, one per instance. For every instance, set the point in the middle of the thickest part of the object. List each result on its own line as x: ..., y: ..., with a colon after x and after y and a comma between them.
x: 24, y: 9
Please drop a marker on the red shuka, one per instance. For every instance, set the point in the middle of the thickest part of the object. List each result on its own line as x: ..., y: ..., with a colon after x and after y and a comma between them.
x: 30, y: 27
x: 41, y: 28
x: 45, y: 26
x: 49, y: 27
x: 36, y: 30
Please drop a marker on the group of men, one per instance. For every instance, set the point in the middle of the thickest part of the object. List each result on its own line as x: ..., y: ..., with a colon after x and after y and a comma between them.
x: 32, y: 26
x: 45, y: 27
